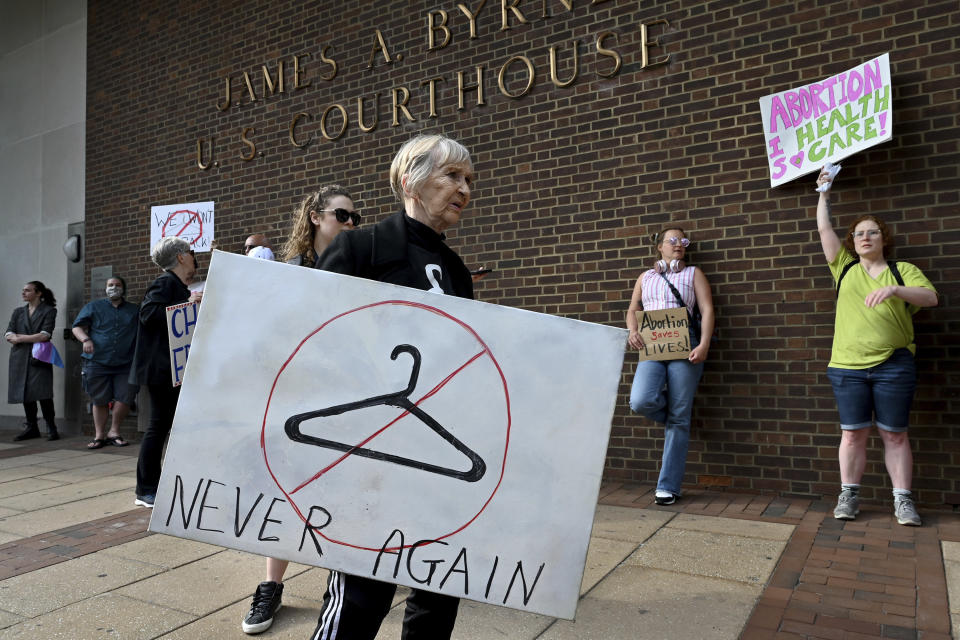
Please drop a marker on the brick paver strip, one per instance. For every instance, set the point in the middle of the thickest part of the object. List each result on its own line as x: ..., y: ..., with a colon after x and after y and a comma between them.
x: 868, y: 578
x: 29, y: 554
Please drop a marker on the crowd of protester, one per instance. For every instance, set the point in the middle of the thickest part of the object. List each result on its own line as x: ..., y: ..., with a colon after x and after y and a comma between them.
x: 126, y: 347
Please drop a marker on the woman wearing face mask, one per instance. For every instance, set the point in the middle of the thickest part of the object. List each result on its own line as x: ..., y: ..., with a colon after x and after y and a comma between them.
x: 29, y: 380
x: 107, y: 328
x: 151, y: 357
x: 318, y: 219
x: 871, y: 368
x: 663, y: 390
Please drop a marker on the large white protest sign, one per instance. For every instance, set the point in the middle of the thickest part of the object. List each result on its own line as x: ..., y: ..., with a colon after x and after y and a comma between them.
x: 806, y: 127
x: 441, y: 443
x: 193, y: 222
x: 181, y: 320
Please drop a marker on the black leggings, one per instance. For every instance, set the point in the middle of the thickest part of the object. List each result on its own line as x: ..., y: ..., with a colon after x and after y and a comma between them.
x: 46, y: 406
x: 163, y: 404
x: 354, y: 607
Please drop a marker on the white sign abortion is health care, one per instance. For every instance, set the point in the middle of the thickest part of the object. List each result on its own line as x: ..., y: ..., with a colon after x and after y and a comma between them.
x: 827, y: 121
x: 193, y: 222
x: 181, y: 321
x: 403, y: 435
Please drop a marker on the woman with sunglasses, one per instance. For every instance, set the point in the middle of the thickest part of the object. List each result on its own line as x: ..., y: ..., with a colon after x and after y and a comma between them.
x: 318, y: 219
x: 663, y: 390
x: 151, y: 356
x: 871, y: 368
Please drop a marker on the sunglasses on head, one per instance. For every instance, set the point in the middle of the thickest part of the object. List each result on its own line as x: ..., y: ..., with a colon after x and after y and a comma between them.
x: 343, y: 215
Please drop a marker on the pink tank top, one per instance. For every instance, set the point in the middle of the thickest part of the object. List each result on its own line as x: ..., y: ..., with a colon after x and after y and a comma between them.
x: 657, y: 295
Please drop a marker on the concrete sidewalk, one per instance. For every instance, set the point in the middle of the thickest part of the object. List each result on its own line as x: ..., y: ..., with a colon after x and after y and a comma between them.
x: 77, y: 562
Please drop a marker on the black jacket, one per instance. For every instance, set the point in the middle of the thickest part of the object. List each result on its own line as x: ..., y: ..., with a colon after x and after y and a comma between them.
x: 28, y: 379
x: 380, y: 252
x: 151, y: 356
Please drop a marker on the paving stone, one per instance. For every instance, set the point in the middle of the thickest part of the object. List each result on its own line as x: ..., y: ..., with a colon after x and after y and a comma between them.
x: 636, y: 602
x: 297, y: 618
x: 25, y: 461
x: 8, y: 619
x: 627, y: 523
x: 26, y: 486
x: 163, y: 551
x: 749, y: 560
x: 952, y: 568
x: 65, y: 494
x: 104, y: 616
x: 603, y: 556
x: 58, y: 585
x: 62, y: 516
x: 76, y: 460
x: 733, y: 526
x: 24, y: 471
x: 117, y: 466
x: 222, y: 578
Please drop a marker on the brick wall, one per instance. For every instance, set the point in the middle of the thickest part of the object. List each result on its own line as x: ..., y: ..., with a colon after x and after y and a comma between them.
x: 572, y: 179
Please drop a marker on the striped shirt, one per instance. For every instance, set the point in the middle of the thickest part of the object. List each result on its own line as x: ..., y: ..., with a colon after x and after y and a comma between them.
x: 655, y: 294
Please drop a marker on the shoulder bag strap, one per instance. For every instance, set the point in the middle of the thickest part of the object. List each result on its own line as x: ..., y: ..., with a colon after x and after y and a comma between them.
x: 846, y: 268
x: 896, y: 274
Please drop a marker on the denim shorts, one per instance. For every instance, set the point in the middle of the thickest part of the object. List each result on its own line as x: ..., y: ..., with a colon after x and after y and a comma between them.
x: 106, y: 384
x: 881, y: 394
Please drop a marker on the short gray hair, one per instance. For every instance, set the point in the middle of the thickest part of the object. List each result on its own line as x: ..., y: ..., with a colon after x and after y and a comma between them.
x: 421, y: 155
x: 164, y: 253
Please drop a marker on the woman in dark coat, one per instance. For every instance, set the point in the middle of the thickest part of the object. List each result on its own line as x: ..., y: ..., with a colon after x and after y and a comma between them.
x: 151, y: 356
x: 29, y: 380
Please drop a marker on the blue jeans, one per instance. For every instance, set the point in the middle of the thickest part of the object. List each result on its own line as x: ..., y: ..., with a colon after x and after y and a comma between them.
x: 671, y: 406
x: 881, y: 394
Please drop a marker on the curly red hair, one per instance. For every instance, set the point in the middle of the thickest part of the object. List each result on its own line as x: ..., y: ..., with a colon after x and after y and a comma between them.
x: 884, y: 232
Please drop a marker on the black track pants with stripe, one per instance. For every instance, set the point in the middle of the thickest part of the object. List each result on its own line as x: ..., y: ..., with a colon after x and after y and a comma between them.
x: 354, y: 607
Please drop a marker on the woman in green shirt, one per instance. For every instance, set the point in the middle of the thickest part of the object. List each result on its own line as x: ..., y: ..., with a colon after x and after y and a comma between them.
x: 871, y: 368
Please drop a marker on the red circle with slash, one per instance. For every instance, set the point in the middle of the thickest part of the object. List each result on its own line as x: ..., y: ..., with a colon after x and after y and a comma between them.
x: 189, y: 222
x: 484, y: 354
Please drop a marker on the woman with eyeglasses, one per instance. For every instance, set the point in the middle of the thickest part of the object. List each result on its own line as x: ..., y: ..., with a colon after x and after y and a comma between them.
x: 151, y: 356
x: 663, y: 390
x: 318, y: 219
x: 871, y: 368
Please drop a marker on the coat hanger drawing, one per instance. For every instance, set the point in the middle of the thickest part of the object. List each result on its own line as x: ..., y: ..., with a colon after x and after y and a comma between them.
x: 400, y: 399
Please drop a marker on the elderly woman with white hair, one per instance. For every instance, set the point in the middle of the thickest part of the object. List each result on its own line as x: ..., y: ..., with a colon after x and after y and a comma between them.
x: 151, y: 357
x: 432, y: 176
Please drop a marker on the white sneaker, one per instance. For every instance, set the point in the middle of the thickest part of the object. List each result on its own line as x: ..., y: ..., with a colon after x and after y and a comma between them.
x: 664, y: 497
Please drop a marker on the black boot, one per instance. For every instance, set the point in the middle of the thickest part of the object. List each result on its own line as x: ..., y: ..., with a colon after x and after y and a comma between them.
x: 29, y: 431
x: 52, y: 433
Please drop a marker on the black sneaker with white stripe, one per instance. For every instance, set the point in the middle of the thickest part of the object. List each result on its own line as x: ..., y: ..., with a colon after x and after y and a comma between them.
x: 266, y: 603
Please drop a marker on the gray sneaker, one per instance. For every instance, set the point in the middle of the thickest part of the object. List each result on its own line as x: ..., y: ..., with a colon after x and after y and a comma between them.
x: 848, y: 506
x: 906, y: 513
